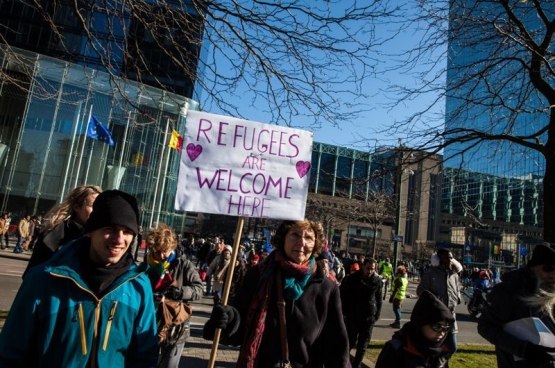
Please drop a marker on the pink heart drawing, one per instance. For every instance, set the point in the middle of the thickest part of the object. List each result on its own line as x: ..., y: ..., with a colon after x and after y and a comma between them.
x: 194, y: 151
x: 302, y: 168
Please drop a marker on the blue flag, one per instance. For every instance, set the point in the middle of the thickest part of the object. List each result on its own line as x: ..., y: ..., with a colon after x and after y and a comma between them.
x: 99, y: 132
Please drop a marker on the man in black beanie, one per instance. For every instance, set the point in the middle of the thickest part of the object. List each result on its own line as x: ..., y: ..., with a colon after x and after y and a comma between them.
x: 526, y: 292
x: 90, y: 305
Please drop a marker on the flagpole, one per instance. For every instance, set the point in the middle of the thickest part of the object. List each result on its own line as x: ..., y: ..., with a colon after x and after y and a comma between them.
x: 83, y: 147
x: 88, y: 162
x: 73, y: 135
x: 123, y: 148
x: 163, y: 184
x: 159, y: 173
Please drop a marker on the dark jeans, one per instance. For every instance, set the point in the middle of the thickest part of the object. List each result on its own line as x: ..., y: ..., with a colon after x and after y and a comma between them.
x: 359, y: 335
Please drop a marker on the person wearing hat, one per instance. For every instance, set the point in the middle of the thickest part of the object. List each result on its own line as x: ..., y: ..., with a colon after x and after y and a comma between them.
x: 442, y: 279
x: 217, y: 271
x: 422, y: 341
x: 398, y: 291
x: 525, y: 292
x: 253, y: 260
x: 89, y: 305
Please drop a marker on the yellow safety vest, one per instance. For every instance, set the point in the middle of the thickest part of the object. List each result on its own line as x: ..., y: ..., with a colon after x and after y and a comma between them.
x: 400, y: 292
x: 387, y: 270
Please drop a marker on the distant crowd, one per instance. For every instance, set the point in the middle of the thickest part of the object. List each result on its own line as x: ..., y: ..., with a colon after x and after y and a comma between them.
x: 87, y: 300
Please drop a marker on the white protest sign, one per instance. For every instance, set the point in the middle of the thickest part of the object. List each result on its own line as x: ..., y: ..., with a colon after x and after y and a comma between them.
x: 238, y: 167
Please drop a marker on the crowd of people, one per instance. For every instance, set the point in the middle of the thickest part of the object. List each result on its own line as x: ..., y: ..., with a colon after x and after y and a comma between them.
x: 87, y: 301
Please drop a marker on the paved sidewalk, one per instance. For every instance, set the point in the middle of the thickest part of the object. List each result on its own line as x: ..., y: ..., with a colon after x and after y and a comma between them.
x: 196, y: 353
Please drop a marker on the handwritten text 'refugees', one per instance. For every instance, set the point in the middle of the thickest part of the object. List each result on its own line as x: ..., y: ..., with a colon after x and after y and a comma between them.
x: 250, y: 191
x: 271, y: 142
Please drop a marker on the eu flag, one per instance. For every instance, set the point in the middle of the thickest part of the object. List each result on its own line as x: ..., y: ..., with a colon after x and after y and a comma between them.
x: 99, y: 132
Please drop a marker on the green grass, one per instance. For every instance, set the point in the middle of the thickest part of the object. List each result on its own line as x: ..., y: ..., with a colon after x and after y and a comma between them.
x: 467, y: 355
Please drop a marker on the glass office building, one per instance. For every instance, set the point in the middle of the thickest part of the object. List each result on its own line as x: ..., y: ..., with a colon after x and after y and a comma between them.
x: 44, y: 149
x: 493, y: 188
x: 150, y: 42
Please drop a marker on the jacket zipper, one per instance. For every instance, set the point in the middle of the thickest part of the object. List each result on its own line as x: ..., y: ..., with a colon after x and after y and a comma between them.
x: 109, y: 324
x: 82, y: 330
x: 96, y: 316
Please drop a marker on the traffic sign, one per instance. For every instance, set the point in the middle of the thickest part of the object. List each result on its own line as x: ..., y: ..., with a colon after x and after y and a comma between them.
x: 398, y: 238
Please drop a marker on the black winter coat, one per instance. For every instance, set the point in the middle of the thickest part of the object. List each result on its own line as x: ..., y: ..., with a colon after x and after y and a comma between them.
x: 361, y: 299
x: 316, y: 333
x: 47, y: 244
x: 504, y: 305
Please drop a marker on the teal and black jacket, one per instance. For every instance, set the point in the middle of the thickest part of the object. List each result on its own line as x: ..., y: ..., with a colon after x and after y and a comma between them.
x: 57, y: 321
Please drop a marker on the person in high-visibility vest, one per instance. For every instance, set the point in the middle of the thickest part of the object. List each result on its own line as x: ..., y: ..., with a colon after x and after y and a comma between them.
x: 398, y: 291
x: 386, y: 272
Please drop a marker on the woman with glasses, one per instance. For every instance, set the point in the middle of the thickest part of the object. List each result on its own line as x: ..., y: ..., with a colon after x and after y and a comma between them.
x: 420, y: 343
x: 286, y: 310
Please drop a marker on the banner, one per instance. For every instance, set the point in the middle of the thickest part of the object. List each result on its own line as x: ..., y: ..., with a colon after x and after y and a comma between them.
x: 238, y: 167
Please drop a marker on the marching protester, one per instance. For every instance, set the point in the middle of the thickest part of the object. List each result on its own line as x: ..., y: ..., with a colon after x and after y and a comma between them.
x: 526, y: 292
x: 239, y: 272
x: 386, y: 271
x: 90, y: 305
x: 4, y: 224
x: 398, y: 291
x: 63, y: 223
x: 217, y: 271
x: 286, y: 310
x: 175, y: 278
x: 361, y: 300
x: 23, y: 234
x: 442, y: 280
x: 420, y: 343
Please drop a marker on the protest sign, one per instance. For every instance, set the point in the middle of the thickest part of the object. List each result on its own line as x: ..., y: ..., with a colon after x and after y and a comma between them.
x: 242, y: 168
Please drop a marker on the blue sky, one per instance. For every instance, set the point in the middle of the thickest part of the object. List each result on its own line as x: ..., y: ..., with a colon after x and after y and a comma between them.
x: 361, y: 132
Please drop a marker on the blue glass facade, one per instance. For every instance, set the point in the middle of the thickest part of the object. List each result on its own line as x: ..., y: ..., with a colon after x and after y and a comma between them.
x: 119, y: 41
x: 489, y: 90
x: 492, y: 190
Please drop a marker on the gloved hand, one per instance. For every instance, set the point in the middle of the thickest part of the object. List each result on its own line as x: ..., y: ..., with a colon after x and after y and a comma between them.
x: 391, y: 299
x: 174, y: 293
x: 221, y: 315
x: 224, y: 317
x: 538, y: 353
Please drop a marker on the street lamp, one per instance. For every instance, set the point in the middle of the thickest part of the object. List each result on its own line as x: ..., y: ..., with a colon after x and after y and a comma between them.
x: 398, y: 238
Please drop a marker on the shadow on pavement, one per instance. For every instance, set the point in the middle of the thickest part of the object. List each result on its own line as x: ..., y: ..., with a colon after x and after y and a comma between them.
x: 189, y: 362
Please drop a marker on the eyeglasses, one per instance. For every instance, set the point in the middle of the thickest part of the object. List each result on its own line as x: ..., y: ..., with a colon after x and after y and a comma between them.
x: 440, y: 328
x: 296, y: 237
x: 548, y: 268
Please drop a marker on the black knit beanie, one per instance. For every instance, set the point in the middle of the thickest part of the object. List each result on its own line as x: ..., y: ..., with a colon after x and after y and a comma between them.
x: 543, y: 254
x: 429, y: 310
x: 114, y: 207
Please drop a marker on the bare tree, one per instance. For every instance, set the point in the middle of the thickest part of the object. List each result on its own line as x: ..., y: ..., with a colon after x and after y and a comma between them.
x: 340, y: 212
x: 501, y: 93
x: 288, y: 58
